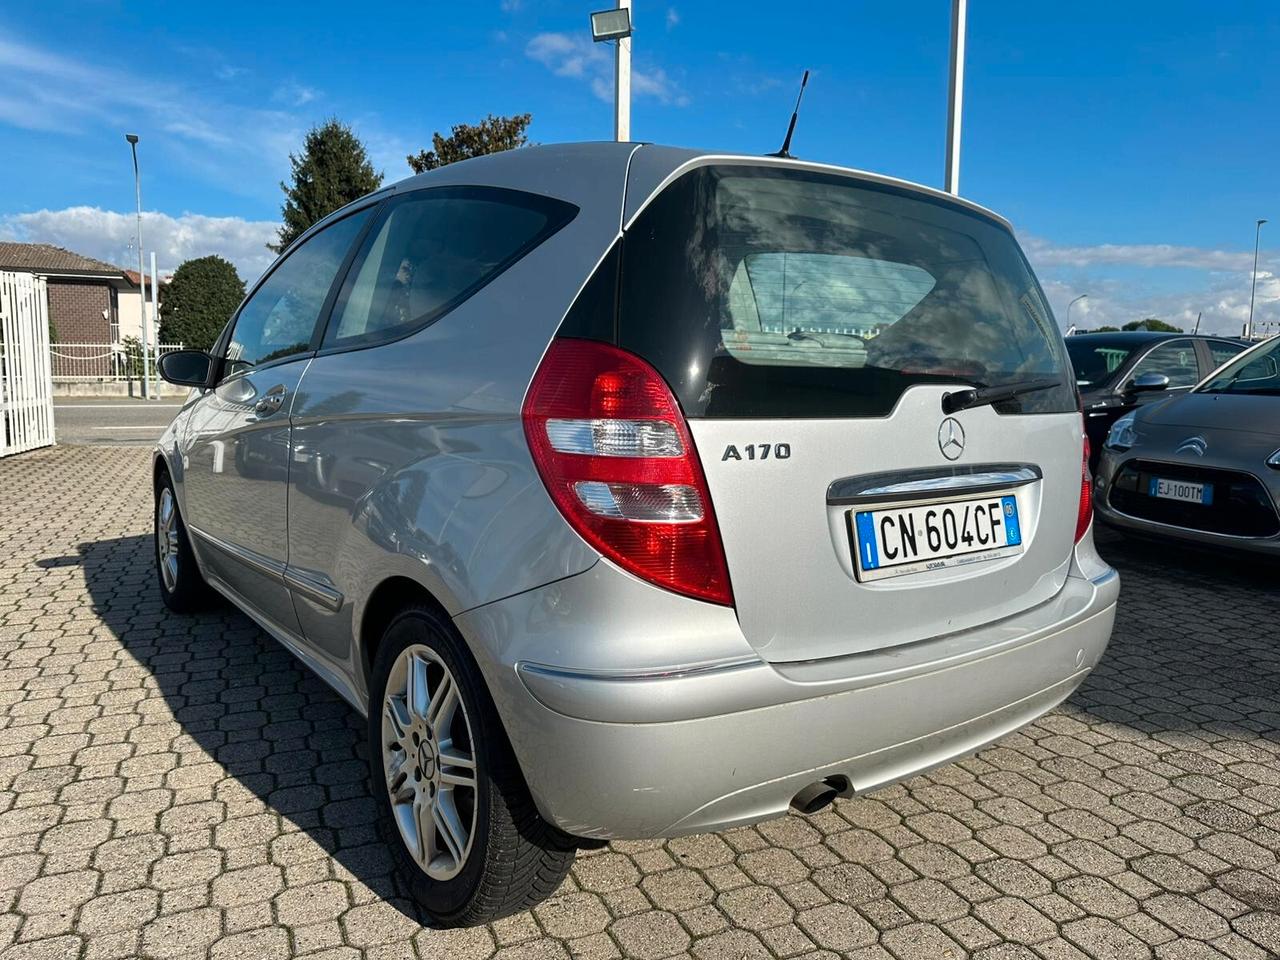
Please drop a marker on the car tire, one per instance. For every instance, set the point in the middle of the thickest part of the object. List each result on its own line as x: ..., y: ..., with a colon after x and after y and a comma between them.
x: 421, y: 740
x: 182, y: 586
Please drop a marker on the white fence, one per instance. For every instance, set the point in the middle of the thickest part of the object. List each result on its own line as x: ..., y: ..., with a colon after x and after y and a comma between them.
x: 103, y: 362
x: 26, y: 392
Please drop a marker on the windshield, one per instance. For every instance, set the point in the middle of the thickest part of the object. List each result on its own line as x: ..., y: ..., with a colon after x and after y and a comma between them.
x: 1256, y: 372
x: 1095, y: 363
x: 775, y: 292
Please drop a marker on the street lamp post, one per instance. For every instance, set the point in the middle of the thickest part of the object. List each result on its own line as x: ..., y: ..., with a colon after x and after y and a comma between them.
x: 959, y: 14
x: 1083, y: 296
x: 142, y: 288
x: 1253, y: 289
x: 615, y: 26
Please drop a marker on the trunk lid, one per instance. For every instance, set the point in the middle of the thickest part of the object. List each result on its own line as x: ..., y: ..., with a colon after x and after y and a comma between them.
x: 810, y: 324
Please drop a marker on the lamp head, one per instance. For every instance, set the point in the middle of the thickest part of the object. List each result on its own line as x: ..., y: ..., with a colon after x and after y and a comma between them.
x: 610, y: 24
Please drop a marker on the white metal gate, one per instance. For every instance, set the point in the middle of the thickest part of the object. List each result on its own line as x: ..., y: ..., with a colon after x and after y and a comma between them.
x: 26, y: 391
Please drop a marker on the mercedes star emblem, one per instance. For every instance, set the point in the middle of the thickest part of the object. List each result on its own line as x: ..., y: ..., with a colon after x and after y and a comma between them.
x: 951, y: 438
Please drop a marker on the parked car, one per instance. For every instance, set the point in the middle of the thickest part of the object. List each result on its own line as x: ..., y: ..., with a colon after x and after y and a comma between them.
x: 636, y: 492
x: 1117, y: 372
x: 1203, y: 467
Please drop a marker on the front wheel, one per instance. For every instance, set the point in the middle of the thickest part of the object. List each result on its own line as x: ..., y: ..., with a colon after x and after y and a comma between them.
x: 182, y: 587
x: 464, y: 828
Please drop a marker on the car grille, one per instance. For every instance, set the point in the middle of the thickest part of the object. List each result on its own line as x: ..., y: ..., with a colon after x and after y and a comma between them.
x: 1241, y: 506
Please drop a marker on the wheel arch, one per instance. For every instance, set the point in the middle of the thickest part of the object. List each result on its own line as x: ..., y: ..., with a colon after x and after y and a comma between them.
x: 393, y: 594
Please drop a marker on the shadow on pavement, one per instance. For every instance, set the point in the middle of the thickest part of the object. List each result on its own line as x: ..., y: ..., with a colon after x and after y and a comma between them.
x: 1195, y: 646
x: 292, y: 746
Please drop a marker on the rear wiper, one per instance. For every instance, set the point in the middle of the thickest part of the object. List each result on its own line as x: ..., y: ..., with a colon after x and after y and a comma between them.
x: 980, y: 396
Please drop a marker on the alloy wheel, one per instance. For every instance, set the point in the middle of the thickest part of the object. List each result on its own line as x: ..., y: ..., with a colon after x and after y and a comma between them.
x: 428, y: 758
x: 167, y: 539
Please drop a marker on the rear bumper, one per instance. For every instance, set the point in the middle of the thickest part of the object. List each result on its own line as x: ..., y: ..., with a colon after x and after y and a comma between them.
x: 701, y: 746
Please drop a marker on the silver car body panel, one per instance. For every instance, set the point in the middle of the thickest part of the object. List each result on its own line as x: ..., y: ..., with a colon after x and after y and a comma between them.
x: 407, y: 461
x: 710, y: 736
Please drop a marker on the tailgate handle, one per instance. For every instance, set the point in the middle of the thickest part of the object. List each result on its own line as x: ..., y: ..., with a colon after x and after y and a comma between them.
x: 914, y: 484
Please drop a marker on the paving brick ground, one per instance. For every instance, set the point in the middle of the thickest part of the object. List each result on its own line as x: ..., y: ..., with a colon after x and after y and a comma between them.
x: 182, y: 788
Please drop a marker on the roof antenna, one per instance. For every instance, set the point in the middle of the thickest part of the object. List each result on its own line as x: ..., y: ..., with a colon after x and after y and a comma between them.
x: 791, y: 127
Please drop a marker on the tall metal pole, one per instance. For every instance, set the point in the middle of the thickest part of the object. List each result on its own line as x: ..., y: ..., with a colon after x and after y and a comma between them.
x: 959, y: 12
x: 142, y: 273
x: 1083, y: 296
x: 622, y: 85
x: 1253, y: 289
x: 155, y: 315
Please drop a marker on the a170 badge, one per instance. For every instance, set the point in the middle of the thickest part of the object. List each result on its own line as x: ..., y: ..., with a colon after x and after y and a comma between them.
x: 757, y: 451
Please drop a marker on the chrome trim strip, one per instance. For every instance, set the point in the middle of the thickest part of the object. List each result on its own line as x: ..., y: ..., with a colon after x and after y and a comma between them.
x: 905, y: 485
x: 313, y: 588
x: 264, y: 565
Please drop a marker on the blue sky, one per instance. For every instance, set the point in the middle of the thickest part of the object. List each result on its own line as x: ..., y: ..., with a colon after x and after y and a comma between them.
x: 1132, y: 144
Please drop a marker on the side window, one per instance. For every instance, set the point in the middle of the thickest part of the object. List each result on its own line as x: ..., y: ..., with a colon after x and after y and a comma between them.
x: 280, y: 318
x: 430, y: 251
x: 1176, y: 360
x: 1224, y: 350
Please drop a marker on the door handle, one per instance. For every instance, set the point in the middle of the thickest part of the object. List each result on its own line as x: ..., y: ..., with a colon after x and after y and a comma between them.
x: 270, y: 401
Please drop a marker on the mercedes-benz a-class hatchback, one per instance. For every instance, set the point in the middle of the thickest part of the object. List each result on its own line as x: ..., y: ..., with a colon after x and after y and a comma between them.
x: 635, y: 492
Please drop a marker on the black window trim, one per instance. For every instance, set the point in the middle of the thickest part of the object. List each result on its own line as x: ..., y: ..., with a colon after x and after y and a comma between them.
x: 219, y: 351
x: 1128, y: 376
x: 346, y: 277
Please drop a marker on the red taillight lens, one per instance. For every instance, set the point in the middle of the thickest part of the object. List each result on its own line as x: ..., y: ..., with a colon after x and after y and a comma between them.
x: 613, y: 448
x: 1085, y: 516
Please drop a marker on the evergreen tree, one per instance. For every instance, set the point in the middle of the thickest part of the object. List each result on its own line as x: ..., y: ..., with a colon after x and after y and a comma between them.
x: 1151, y: 323
x: 198, y: 302
x: 333, y: 170
x: 490, y: 135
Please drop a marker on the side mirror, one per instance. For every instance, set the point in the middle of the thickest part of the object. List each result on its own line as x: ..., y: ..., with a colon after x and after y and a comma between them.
x: 1148, y: 382
x: 186, y: 368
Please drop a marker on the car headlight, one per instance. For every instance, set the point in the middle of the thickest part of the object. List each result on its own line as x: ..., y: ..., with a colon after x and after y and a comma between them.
x: 1274, y: 460
x: 1122, y: 434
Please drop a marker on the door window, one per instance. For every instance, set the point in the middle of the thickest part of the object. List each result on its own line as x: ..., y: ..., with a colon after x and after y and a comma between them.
x: 1224, y: 350
x: 280, y: 318
x: 432, y: 250
x: 1176, y: 360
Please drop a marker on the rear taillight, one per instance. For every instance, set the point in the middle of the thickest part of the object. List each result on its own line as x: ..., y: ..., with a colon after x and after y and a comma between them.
x: 1085, y: 516
x: 615, y: 453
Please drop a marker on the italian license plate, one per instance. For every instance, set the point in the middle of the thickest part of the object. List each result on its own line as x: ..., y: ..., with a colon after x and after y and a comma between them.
x: 894, y: 541
x: 1180, y: 490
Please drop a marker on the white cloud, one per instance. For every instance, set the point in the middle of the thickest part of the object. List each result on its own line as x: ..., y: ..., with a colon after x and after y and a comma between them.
x: 241, y: 147
x: 511, y: 6
x: 294, y: 94
x: 673, y: 18
x: 1136, y: 254
x: 578, y: 57
x: 109, y: 235
x: 1177, y: 284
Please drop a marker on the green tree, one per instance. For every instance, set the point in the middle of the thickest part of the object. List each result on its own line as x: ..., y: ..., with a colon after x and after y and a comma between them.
x: 1151, y: 323
x: 1103, y: 330
x: 332, y: 170
x: 199, y: 301
x: 490, y: 135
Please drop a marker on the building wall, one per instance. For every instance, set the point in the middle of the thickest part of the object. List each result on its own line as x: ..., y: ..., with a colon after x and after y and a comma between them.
x: 80, y: 310
x: 128, y: 303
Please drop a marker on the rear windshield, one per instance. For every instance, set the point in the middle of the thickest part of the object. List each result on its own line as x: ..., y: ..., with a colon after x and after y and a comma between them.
x: 768, y: 292
x: 1095, y: 361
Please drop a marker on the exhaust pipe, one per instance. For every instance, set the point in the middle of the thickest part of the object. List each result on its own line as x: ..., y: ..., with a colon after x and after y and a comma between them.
x: 818, y: 796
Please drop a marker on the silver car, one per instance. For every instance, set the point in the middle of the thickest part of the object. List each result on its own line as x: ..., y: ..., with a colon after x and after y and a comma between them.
x: 633, y: 492
x: 1203, y: 467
